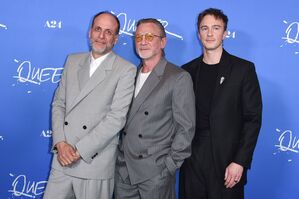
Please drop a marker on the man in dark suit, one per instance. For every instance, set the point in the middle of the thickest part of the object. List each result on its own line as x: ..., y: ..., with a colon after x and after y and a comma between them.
x: 228, y: 116
x: 161, y: 122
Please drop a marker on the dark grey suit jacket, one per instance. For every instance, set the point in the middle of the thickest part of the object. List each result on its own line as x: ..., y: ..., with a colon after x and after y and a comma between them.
x: 160, y: 125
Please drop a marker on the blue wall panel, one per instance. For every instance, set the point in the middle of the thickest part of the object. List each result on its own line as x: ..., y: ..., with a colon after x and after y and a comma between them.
x: 36, y: 36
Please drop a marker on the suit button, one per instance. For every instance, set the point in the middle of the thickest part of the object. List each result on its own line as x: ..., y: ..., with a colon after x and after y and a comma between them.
x: 66, y: 123
x: 140, y: 135
x: 124, y: 133
x: 145, y: 113
x: 84, y: 127
x: 94, y: 156
x: 140, y: 156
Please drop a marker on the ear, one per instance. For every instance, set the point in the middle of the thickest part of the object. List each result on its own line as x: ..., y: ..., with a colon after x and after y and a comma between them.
x: 115, y: 39
x: 163, y: 42
x: 198, y: 35
x: 89, y: 33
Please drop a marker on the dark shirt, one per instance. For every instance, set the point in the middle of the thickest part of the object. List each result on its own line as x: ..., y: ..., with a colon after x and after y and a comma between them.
x: 204, y: 92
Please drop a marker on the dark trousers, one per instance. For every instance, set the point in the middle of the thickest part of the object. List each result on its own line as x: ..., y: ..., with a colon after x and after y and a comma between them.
x: 198, y: 178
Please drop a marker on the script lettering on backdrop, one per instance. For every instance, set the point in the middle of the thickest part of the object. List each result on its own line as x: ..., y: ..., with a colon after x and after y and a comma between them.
x: 26, y: 73
x: 129, y: 25
x: 291, y: 34
x: 2, y: 26
x: 287, y: 142
x: 23, y: 188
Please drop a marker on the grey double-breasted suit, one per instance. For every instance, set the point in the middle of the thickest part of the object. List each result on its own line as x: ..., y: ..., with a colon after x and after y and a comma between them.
x: 88, y: 112
x: 160, y: 125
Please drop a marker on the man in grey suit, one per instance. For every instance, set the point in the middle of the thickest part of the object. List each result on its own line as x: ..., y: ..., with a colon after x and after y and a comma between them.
x: 88, y: 110
x: 160, y: 124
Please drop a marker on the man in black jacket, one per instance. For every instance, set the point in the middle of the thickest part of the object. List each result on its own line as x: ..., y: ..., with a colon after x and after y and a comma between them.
x: 228, y: 116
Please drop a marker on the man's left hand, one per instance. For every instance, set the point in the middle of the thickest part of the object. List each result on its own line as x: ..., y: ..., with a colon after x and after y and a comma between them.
x: 233, y: 174
x: 77, y: 155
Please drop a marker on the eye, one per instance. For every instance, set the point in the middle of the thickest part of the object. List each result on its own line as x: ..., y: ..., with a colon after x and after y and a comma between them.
x: 204, y: 28
x: 97, y: 29
x: 149, y: 37
x: 108, y: 32
x: 138, y: 38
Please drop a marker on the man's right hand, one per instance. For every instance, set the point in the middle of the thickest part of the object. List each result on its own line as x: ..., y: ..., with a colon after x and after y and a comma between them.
x: 66, y: 154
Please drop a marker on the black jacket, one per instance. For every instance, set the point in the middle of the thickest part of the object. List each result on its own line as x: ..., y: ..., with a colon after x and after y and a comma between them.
x: 236, y: 111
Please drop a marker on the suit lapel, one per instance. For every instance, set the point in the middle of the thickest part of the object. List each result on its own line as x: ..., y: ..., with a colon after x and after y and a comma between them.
x: 149, y: 85
x: 87, y: 85
x: 197, y: 73
x: 224, y: 72
x: 83, y: 72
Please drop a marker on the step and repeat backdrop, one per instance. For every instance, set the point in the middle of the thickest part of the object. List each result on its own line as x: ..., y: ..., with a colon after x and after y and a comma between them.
x: 36, y: 36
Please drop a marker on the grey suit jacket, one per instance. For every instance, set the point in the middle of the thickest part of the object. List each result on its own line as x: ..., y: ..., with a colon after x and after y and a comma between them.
x: 160, y: 125
x: 88, y: 112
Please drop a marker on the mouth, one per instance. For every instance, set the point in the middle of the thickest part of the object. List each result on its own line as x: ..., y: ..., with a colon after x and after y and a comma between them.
x: 210, y: 40
x: 99, y: 42
x: 143, y: 49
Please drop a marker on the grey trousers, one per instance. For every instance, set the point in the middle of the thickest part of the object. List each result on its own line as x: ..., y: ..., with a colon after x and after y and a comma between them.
x: 161, y: 186
x: 61, y: 186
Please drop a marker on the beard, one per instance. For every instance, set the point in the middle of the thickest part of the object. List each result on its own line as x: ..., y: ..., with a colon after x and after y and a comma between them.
x: 101, y: 50
x: 146, y: 54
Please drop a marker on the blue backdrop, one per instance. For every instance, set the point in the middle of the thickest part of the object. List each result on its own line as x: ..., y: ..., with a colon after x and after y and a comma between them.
x: 36, y: 36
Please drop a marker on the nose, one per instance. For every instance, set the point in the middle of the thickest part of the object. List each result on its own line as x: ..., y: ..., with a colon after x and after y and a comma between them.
x: 101, y: 34
x: 143, y: 41
x: 210, y: 32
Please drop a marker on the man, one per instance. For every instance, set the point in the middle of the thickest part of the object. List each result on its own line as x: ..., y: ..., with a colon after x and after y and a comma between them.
x: 161, y: 121
x: 228, y: 116
x: 89, y: 109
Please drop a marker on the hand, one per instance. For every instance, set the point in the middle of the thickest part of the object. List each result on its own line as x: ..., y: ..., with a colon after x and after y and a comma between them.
x: 233, y: 174
x: 77, y: 155
x: 66, y: 154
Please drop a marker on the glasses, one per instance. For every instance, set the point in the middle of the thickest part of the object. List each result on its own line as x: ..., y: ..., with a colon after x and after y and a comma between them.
x: 147, y: 36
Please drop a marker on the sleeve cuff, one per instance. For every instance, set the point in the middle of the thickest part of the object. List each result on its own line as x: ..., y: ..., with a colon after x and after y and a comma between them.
x: 171, y: 166
x: 84, y: 155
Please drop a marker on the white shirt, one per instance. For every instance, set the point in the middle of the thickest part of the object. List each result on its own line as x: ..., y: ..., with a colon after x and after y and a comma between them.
x: 95, y: 63
x: 140, y: 81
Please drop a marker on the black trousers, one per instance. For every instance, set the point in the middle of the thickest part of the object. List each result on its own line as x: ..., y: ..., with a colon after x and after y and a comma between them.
x: 198, y: 178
